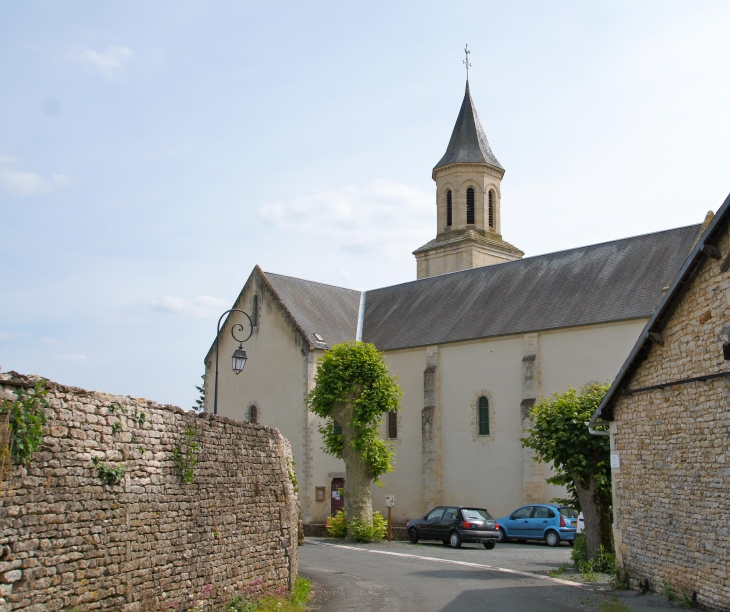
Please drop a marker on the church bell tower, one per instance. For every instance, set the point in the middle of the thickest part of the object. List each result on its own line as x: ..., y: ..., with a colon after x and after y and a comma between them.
x: 468, y: 203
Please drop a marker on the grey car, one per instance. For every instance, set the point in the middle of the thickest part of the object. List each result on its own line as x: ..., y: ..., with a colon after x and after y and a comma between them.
x: 454, y: 525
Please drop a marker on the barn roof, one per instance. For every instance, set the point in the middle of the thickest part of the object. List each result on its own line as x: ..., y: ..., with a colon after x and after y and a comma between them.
x: 704, y: 247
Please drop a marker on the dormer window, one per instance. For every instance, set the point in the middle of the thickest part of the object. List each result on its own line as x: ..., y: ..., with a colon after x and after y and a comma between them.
x: 491, y: 208
x: 448, y: 208
x: 470, y: 206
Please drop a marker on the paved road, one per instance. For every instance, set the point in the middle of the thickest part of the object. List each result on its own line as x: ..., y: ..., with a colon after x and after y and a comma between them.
x: 398, y: 578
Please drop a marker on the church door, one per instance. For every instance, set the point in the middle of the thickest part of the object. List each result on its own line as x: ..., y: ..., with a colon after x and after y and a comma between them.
x: 337, y: 496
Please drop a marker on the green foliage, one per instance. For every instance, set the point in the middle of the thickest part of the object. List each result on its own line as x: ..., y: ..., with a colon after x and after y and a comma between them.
x: 291, y: 470
x: 363, y: 532
x: 117, y: 407
x: 559, y: 436
x: 337, y: 526
x: 614, y: 605
x: 109, y: 474
x: 138, y: 417
x: 300, y: 592
x: 355, y: 372
x: 360, y: 531
x: 559, y: 571
x: 604, y: 563
x: 200, y: 402
x: 116, y: 427
x: 240, y: 604
x: 253, y: 599
x: 668, y: 590
x: 26, y: 421
x: 184, y: 454
x: 620, y: 580
x: 689, y: 600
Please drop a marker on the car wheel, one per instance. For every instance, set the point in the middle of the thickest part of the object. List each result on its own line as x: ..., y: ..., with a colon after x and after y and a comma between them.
x: 552, y: 538
x: 413, y: 535
x: 489, y: 545
x: 455, y: 540
x: 502, y: 537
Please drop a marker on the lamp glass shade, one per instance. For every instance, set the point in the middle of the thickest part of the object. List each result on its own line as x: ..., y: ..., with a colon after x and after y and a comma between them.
x: 239, y: 360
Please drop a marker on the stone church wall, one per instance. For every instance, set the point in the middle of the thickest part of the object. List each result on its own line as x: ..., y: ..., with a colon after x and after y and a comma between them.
x: 671, y: 489
x: 152, y: 541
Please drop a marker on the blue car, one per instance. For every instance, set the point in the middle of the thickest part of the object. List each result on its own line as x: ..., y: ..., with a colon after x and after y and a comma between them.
x: 548, y: 522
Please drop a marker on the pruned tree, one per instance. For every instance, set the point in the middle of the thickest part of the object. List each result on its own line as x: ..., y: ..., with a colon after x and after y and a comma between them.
x: 353, y: 389
x: 581, y: 461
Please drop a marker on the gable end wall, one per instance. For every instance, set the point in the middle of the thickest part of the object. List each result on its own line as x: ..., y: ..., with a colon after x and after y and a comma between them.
x: 671, y: 489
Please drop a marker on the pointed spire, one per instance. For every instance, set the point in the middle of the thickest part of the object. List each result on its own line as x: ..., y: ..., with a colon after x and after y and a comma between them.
x: 468, y: 142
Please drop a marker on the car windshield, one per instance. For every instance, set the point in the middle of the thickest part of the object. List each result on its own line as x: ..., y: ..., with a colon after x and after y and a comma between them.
x: 476, y: 514
x: 569, y: 512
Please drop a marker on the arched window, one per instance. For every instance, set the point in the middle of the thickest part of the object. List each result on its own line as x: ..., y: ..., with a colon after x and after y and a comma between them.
x: 470, y: 205
x: 483, y: 424
x: 491, y: 208
x: 255, y: 309
x: 253, y: 414
x: 448, y: 208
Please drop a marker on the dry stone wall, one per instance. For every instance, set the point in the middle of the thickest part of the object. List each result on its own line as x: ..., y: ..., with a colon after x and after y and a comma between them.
x: 672, y: 488
x: 152, y: 541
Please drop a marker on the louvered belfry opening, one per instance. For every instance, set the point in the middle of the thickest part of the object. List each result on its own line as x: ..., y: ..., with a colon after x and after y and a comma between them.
x: 448, y: 209
x: 491, y: 208
x: 470, y: 206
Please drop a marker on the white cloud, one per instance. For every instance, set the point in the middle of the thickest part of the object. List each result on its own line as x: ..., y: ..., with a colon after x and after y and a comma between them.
x: 4, y: 335
x: 71, y: 358
x: 108, y: 62
x: 382, y: 217
x: 48, y: 340
x: 24, y: 182
x: 202, y: 307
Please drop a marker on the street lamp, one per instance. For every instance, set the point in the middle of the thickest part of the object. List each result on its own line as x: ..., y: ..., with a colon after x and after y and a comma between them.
x: 238, y: 359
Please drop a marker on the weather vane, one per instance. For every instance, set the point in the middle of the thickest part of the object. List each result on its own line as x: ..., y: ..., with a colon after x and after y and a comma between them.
x: 466, y: 61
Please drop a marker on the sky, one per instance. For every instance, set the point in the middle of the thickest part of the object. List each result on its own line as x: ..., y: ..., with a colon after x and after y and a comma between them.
x: 152, y: 153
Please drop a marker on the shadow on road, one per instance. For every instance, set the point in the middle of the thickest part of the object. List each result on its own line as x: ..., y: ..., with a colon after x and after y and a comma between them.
x: 524, y: 599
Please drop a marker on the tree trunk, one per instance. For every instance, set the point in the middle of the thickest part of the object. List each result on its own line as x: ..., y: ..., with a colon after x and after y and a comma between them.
x: 596, y: 518
x: 358, y: 475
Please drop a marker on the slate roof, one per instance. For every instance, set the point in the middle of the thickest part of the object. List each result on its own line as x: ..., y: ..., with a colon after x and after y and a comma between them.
x: 664, y: 309
x: 320, y: 309
x: 613, y: 281
x: 468, y: 142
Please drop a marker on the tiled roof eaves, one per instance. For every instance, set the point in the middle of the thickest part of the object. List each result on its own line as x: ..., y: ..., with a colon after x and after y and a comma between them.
x: 514, y: 334
x: 663, y: 312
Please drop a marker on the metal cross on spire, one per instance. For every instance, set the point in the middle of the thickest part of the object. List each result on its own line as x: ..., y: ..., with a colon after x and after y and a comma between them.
x: 466, y: 61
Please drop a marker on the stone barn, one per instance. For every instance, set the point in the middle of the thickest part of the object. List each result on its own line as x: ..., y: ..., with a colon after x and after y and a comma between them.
x: 669, y: 417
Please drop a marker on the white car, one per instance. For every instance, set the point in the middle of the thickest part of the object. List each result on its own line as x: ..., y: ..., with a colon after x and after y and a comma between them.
x: 580, y: 525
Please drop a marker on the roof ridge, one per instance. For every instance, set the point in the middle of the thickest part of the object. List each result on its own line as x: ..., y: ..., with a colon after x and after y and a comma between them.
x: 533, y: 257
x: 306, y: 280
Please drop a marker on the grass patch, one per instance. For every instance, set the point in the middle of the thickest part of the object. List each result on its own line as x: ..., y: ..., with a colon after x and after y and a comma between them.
x: 614, y: 605
x: 559, y: 571
x: 254, y: 601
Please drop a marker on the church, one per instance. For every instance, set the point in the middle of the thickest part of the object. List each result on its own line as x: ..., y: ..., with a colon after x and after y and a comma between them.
x: 475, y: 341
